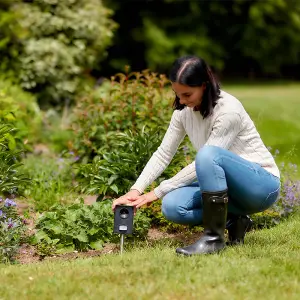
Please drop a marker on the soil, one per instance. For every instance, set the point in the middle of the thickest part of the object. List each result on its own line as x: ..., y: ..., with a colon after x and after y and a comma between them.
x: 28, y: 253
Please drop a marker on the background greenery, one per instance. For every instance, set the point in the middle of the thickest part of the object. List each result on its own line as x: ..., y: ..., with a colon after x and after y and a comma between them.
x: 85, y: 101
x: 238, y: 38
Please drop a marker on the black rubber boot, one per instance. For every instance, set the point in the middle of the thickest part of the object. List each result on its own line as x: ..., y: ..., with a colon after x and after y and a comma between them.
x: 214, y: 221
x: 237, y: 227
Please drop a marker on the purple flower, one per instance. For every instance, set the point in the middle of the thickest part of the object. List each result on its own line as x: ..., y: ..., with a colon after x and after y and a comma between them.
x: 76, y: 158
x: 185, y: 150
x: 276, y: 151
x: 1, y: 199
x: 291, y: 191
x: 9, y: 202
x: 10, y: 223
x: 71, y: 153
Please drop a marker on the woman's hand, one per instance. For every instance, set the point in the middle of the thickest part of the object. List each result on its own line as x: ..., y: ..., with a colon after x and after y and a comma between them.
x: 126, y: 199
x: 143, y: 199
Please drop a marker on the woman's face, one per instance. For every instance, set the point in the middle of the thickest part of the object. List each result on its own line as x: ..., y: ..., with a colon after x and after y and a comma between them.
x: 189, y: 96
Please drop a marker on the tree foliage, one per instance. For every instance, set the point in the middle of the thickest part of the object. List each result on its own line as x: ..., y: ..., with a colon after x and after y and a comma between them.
x: 61, y: 41
x: 235, y: 36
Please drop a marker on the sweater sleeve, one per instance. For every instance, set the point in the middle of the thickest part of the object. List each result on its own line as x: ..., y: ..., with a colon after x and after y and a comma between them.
x: 162, y: 157
x: 225, y: 129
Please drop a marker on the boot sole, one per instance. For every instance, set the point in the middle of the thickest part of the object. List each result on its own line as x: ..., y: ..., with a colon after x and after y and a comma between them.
x: 202, y: 253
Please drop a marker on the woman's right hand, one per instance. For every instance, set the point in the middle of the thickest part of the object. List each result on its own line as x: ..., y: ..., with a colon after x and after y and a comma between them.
x: 131, y: 196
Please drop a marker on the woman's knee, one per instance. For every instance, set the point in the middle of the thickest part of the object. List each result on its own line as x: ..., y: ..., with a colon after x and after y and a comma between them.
x: 207, y: 155
x: 170, y: 208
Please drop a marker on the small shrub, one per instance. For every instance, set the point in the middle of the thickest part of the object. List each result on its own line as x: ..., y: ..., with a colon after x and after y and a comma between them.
x: 52, y: 181
x: 56, y: 43
x: 153, y: 212
x: 290, y: 189
x: 288, y: 201
x: 19, y: 110
x: 12, y: 180
x: 56, y: 134
x: 114, y: 170
x: 266, y: 219
x: 129, y: 101
x: 12, y: 230
x: 117, y: 167
x: 81, y: 227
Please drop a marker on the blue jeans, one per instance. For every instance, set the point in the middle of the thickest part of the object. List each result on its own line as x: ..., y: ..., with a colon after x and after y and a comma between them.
x: 251, y: 188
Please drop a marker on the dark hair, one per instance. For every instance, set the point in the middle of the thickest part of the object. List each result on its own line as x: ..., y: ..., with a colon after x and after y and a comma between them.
x: 193, y: 71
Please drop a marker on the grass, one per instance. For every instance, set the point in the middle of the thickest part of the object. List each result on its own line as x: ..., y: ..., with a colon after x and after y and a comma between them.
x: 276, y: 114
x: 266, y: 267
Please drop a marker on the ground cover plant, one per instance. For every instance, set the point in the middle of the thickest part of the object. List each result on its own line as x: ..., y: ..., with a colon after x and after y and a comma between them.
x: 12, y: 182
x: 81, y: 227
x: 12, y: 230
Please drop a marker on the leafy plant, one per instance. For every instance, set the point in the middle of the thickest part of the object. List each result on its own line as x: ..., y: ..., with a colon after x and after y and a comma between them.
x: 52, y: 180
x: 81, y: 227
x: 288, y: 201
x: 60, y: 41
x: 115, y: 169
x: 20, y: 110
x: 12, y: 180
x: 12, y: 230
x: 129, y: 101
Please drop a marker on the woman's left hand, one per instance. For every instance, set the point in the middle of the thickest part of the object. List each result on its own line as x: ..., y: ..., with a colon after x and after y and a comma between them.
x: 144, y: 199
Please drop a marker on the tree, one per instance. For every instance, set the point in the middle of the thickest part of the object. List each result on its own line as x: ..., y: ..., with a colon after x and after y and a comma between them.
x: 62, y: 41
x: 234, y: 36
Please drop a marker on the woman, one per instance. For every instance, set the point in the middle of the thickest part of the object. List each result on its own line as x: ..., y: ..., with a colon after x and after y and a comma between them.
x: 233, y: 171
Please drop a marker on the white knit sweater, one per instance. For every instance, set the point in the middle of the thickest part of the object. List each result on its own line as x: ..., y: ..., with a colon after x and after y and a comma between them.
x: 229, y: 127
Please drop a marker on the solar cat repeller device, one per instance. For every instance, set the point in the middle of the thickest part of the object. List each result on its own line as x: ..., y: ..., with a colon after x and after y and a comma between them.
x: 123, y: 221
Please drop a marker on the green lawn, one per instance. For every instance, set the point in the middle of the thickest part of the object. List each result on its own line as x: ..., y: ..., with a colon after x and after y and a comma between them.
x: 275, y: 109
x: 266, y: 267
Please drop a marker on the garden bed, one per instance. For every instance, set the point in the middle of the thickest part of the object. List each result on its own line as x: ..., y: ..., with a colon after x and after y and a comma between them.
x: 28, y: 253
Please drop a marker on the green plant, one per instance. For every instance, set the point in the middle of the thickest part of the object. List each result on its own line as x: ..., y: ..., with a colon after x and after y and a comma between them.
x: 12, y: 230
x: 56, y: 129
x: 59, y: 42
x: 20, y: 110
x: 114, y: 170
x: 81, y: 227
x: 52, y: 181
x: 117, y: 166
x: 153, y: 212
x: 129, y: 101
x: 12, y: 180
